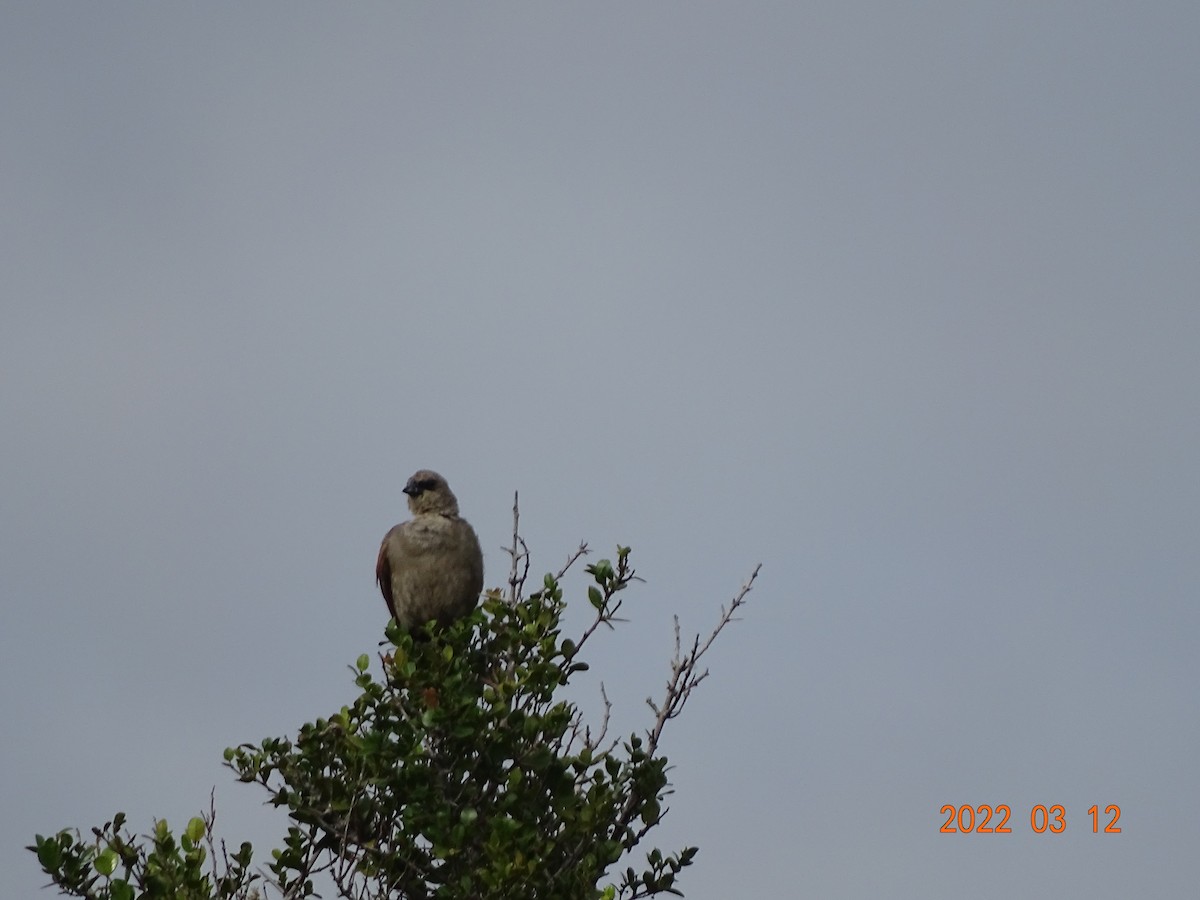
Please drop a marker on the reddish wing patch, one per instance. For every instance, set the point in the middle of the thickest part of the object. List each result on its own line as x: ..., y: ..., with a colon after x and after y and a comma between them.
x: 383, y: 575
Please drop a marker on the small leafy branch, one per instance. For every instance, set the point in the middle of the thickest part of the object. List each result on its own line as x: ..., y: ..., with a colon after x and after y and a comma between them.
x: 117, y: 865
x: 457, y: 772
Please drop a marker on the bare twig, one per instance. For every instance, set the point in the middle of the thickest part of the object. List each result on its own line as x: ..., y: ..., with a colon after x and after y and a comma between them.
x: 581, y: 550
x: 684, y: 674
x: 684, y: 679
x: 519, y: 553
x: 583, y: 733
x: 594, y: 743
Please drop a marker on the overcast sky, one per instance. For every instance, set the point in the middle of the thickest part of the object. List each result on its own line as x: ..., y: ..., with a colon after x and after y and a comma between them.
x: 898, y: 299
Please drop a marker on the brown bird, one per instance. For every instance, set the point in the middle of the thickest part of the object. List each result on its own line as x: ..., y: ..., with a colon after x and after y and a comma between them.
x: 430, y: 567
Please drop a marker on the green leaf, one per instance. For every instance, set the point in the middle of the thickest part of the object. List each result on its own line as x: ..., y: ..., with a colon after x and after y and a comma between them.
x: 363, y: 662
x: 120, y: 889
x: 651, y: 813
x: 195, y: 829
x: 106, y: 862
x: 48, y: 854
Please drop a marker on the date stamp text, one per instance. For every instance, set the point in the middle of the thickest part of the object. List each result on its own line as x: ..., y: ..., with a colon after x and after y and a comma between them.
x: 984, y: 819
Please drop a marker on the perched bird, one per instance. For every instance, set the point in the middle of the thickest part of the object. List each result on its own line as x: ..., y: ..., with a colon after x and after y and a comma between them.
x: 430, y: 567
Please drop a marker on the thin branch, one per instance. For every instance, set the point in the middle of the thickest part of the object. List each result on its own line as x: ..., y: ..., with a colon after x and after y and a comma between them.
x: 684, y: 679
x: 684, y: 674
x: 519, y: 553
x: 581, y: 550
x: 583, y: 733
x: 606, y: 613
x: 593, y: 743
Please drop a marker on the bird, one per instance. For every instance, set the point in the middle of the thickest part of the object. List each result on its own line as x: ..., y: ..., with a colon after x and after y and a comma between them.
x: 430, y: 567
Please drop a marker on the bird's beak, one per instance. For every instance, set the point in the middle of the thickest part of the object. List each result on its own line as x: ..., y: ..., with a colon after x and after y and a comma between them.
x: 411, y: 489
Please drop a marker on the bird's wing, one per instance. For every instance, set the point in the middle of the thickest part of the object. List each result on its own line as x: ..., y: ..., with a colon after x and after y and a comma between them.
x: 383, y: 575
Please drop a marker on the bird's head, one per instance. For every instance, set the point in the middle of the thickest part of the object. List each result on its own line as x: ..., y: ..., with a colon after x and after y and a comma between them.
x: 428, y: 493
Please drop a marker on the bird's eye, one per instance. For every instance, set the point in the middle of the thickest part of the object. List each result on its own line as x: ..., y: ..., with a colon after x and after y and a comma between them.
x: 427, y: 485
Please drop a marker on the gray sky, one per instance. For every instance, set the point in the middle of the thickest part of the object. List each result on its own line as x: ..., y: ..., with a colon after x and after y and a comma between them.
x: 899, y: 299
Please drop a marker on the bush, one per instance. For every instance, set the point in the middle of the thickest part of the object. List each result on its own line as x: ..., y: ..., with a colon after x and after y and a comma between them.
x: 456, y: 773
